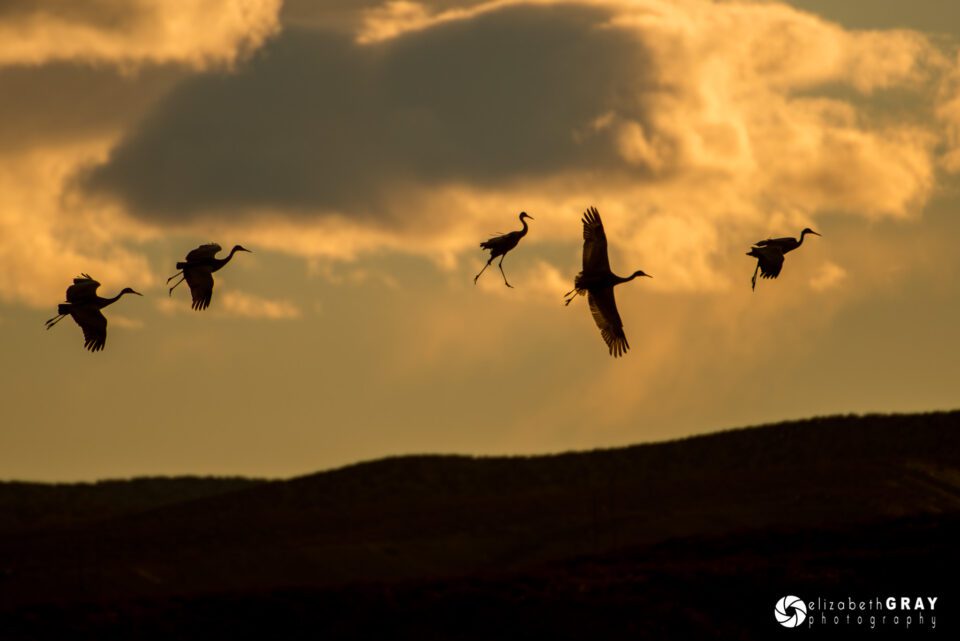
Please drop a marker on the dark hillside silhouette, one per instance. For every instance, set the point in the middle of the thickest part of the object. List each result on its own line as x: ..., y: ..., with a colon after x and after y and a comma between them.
x: 693, y: 535
x: 35, y: 506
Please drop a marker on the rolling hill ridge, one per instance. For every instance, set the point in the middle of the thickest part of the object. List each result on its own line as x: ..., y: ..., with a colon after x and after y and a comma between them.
x: 409, y: 530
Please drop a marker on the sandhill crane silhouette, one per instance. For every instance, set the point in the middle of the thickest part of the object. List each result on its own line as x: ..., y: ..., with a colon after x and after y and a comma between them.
x: 597, y: 282
x: 769, y: 254
x: 84, y: 306
x: 197, y: 269
x: 500, y: 245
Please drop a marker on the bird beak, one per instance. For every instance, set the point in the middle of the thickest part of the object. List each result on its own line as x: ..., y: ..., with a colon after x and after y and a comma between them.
x: 648, y: 275
x: 815, y: 233
x: 138, y: 293
x: 530, y: 217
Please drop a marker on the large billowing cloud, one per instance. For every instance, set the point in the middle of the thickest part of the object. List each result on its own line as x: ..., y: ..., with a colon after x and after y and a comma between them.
x: 679, y: 119
x: 420, y: 127
x: 321, y: 122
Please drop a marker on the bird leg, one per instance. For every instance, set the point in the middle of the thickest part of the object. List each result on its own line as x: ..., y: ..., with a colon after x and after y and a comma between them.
x: 753, y: 281
x: 174, y: 276
x: 569, y: 296
x: 500, y: 265
x: 482, y: 270
x: 175, y: 284
x: 53, y: 321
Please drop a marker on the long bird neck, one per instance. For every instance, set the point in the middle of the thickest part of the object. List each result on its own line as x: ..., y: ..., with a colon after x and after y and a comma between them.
x: 220, y: 262
x: 618, y: 280
x: 523, y: 232
x: 802, y: 234
x: 110, y: 301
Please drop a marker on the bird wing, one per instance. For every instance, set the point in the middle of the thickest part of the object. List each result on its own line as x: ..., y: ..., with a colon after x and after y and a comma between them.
x: 83, y: 289
x: 203, y: 252
x: 784, y: 244
x: 200, y: 280
x: 603, y: 306
x: 503, y: 243
x: 770, y: 258
x: 594, y: 244
x: 94, y: 326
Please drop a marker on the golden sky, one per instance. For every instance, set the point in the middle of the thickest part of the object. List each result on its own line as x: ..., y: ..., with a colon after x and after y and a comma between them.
x: 363, y: 149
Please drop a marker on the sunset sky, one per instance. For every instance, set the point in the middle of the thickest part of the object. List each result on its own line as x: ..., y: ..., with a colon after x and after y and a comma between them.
x: 362, y: 149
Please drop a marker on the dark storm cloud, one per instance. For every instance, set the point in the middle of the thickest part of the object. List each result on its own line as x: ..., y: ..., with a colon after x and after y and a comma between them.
x: 61, y: 102
x: 316, y: 121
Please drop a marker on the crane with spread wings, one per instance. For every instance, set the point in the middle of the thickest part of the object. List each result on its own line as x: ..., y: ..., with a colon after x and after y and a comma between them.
x: 597, y: 282
x: 769, y: 254
x: 197, y: 269
x: 84, y: 305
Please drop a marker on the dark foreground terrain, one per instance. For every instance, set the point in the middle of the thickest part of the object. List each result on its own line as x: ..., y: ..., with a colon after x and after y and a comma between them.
x: 683, y: 540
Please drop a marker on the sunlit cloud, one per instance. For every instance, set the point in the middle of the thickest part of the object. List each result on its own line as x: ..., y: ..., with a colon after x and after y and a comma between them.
x: 118, y: 320
x: 249, y: 306
x: 233, y: 303
x: 829, y: 276
x: 48, y: 239
x: 198, y: 33
x: 393, y: 18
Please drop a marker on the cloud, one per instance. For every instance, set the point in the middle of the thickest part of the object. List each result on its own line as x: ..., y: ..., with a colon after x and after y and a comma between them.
x: 118, y: 320
x: 63, y: 103
x: 234, y: 303
x: 393, y: 18
x: 81, y: 75
x: 639, y: 102
x: 250, y: 306
x: 49, y: 238
x: 948, y: 111
x: 829, y: 276
x: 688, y: 123
x: 328, y: 124
x: 197, y: 33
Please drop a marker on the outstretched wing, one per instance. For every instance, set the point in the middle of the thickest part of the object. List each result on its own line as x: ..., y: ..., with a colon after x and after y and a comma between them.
x: 603, y: 306
x: 203, y: 252
x: 94, y: 326
x: 594, y: 244
x: 200, y: 280
x: 83, y: 290
x: 770, y: 258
